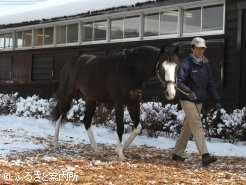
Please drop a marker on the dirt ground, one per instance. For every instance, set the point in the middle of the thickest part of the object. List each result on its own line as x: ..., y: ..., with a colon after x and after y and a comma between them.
x: 75, y: 164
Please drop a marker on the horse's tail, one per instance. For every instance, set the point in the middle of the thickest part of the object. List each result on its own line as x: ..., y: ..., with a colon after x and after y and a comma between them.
x: 65, y: 92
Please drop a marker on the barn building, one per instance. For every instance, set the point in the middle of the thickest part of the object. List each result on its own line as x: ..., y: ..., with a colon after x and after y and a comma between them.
x: 35, y: 44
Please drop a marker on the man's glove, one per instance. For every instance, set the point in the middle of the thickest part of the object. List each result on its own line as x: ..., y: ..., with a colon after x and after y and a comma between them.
x: 192, y: 96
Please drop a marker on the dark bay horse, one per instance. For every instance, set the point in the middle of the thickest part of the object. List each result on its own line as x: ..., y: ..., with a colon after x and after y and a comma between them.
x: 114, y: 79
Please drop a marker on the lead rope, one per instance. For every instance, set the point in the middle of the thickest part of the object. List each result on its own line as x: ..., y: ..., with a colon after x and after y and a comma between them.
x: 187, y: 94
x: 176, y: 86
x: 159, y: 77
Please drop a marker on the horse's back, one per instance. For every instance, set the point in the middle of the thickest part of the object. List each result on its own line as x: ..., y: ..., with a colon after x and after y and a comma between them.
x: 101, y: 77
x: 107, y: 78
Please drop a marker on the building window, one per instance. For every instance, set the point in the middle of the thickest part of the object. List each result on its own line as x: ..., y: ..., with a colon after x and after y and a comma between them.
x: 116, y: 30
x: 1, y: 41
x: 87, y: 32
x: 48, y: 35
x: 94, y: 31
x: 27, y: 38
x: 127, y: 27
x: 61, y: 34
x: 186, y: 20
x: 131, y: 27
x: 67, y: 34
x: 42, y: 67
x: 44, y: 36
x: 202, y: 19
x: 23, y: 39
x: 39, y: 37
x: 151, y: 25
x: 6, y: 41
x: 19, y: 39
x: 192, y: 20
x: 5, y: 68
x: 72, y: 33
x: 169, y: 22
x: 100, y: 30
x: 163, y: 23
x: 212, y: 18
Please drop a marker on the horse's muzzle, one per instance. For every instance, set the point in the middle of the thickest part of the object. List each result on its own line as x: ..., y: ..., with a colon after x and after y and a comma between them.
x: 170, y: 91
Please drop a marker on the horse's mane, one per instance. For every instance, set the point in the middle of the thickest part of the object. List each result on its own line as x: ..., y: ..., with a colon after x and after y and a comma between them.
x: 135, y: 50
x: 135, y: 55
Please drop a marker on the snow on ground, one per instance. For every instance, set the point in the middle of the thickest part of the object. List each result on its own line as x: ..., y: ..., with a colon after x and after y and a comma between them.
x: 16, y: 135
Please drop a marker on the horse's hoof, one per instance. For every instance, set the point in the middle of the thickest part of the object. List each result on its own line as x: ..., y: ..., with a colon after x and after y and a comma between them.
x: 122, y: 157
x: 56, y: 146
x: 96, y: 151
x: 120, y: 153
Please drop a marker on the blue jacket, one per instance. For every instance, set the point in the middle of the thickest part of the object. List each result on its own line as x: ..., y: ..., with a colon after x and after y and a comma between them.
x: 196, y: 77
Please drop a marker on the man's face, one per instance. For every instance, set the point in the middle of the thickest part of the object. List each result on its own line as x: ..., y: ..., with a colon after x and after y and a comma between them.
x: 198, y: 52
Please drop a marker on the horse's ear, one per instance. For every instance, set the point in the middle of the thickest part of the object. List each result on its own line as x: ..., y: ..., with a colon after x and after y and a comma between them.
x: 176, y: 50
x: 162, y: 49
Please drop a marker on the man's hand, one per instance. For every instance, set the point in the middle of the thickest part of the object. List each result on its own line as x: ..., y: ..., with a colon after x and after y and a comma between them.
x: 192, y: 96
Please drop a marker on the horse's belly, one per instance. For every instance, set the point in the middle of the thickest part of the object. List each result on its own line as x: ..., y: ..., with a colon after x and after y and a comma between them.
x: 103, y: 88
x: 97, y: 93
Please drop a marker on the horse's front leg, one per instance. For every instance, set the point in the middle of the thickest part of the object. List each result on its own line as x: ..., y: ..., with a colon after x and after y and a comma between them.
x: 134, y: 111
x: 56, y: 138
x: 90, y: 108
x: 119, y: 113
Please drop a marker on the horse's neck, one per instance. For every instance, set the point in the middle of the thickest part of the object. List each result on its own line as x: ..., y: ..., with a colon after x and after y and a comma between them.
x: 145, y: 70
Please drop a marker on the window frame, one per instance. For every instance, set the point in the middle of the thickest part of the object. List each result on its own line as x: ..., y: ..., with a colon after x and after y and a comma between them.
x: 180, y: 7
x: 22, y: 46
x: 209, y: 32
x: 123, y: 18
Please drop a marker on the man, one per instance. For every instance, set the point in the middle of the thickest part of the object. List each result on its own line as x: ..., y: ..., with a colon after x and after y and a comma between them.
x: 195, y: 79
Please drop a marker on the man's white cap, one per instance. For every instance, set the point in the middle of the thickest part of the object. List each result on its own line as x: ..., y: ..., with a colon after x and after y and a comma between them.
x: 199, y: 42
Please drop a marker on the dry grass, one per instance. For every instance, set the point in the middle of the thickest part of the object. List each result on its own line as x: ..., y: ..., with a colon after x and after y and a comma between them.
x: 144, y: 165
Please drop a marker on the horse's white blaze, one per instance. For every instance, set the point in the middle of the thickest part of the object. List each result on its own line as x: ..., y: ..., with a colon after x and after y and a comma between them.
x: 170, y: 76
x: 132, y: 136
x: 92, y: 140
x: 169, y: 70
x: 58, y: 124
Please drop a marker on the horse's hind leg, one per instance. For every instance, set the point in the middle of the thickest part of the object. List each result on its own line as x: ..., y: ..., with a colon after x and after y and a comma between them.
x: 134, y: 111
x: 119, y: 112
x: 90, y: 108
x: 59, y: 112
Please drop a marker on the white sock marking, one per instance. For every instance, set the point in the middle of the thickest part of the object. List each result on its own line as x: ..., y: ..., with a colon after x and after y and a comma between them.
x: 56, y: 137
x: 119, y: 150
x: 132, y: 136
x: 92, y: 140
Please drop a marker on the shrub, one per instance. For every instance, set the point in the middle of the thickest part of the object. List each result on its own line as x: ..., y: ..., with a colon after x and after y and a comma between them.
x: 156, y: 119
x: 8, y: 103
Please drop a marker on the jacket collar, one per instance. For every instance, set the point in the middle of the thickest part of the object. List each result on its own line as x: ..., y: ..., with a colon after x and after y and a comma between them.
x: 197, y: 60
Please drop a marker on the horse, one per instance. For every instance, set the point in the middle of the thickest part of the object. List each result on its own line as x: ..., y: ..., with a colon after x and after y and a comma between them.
x: 117, y: 79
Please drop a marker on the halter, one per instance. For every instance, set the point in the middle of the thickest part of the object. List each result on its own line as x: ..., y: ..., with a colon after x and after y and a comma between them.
x: 163, y: 81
